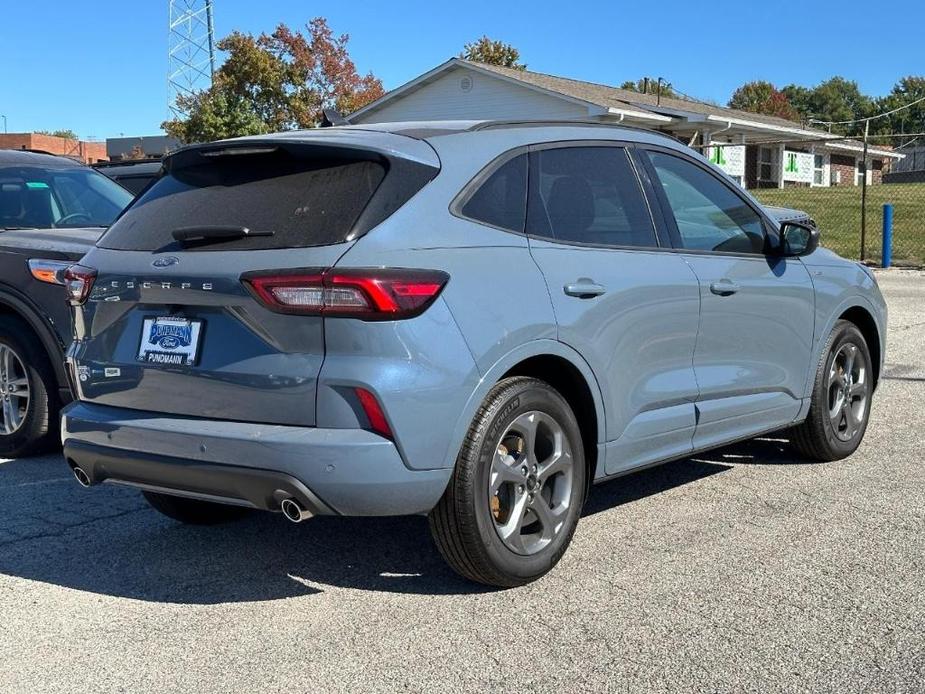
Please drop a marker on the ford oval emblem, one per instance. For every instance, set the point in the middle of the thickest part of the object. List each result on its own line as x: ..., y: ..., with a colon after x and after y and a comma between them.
x: 166, y: 262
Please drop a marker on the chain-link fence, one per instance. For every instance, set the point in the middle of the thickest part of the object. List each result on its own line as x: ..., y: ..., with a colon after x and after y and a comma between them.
x: 838, y: 211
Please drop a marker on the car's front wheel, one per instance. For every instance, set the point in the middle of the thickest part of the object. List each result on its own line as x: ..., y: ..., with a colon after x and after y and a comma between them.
x: 840, y: 406
x: 515, y: 497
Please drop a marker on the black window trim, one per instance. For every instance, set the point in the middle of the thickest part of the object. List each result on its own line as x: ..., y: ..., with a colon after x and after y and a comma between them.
x: 471, y: 188
x: 771, y: 231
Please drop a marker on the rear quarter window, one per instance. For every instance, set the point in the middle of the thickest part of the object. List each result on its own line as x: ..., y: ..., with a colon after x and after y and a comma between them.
x: 501, y: 199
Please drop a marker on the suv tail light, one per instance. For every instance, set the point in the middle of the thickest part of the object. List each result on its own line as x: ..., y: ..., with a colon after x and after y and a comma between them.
x: 368, y: 294
x: 78, y: 281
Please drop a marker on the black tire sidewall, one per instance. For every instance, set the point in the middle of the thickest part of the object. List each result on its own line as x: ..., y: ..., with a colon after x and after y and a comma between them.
x: 532, y: 396
x: 844, y: 334
x: 41, y: 415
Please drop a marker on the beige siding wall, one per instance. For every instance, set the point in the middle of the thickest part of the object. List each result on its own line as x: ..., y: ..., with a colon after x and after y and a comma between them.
x: 488, y: 97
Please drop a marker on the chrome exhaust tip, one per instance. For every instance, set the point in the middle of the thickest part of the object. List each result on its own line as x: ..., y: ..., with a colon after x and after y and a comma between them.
x: 83, y: 479
x: 293, y: 510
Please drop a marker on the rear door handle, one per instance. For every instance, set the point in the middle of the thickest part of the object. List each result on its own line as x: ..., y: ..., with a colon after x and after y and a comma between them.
x: 724, y: 287
x: 584, y: 289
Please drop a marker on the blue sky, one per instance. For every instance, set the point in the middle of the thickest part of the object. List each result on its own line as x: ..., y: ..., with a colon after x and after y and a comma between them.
x: 99, y: 67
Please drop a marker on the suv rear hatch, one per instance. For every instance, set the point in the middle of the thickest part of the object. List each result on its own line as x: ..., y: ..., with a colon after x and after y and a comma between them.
x: 170, y: 327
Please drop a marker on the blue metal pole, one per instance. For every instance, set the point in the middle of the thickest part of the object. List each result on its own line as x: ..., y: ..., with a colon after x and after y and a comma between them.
x: 887, y: 235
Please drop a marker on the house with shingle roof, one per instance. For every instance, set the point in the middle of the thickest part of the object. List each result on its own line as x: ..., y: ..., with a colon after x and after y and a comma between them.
x: 757, y: 151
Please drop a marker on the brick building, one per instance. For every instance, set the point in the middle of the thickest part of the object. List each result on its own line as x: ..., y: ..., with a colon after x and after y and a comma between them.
x: 87, y: 152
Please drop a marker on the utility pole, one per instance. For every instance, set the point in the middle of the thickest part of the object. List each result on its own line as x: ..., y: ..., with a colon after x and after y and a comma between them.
x: 864, y: 194
x: 4, y: 122
x: 658, y: 94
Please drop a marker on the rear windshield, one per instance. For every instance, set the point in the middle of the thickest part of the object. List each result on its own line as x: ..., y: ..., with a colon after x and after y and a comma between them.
x: 292, y: 200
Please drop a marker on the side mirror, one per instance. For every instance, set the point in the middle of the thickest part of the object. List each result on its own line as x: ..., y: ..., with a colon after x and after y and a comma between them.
x: 798, y: 239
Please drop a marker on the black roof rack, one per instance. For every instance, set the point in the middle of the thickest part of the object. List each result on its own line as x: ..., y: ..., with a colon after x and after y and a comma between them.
x: 525, y: 122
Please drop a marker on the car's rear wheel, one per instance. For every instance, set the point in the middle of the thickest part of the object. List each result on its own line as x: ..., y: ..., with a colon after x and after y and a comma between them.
x: 842, y: 391
x: 28, y: 397
x: 515, y: 496
x: 194, y: 511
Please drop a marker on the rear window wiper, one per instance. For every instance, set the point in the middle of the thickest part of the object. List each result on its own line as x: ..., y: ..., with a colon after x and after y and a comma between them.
x: 200, y: 235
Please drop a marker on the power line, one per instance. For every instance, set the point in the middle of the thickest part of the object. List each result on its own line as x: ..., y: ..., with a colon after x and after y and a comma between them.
x: 869, y: 118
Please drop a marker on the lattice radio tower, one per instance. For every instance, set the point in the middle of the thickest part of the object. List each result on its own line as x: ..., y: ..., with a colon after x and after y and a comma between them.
x: 190, y: 50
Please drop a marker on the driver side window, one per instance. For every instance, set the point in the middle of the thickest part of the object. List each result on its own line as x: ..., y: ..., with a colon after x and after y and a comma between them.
x: 710, y: 216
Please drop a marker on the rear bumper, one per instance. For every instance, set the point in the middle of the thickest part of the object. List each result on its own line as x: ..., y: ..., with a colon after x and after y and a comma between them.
x: 330, y: 471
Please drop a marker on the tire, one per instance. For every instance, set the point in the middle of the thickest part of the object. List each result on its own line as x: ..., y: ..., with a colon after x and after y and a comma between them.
x: 481, y: 534
x: 29, y: 415
x: 826, y: 437
x: 194, y: 511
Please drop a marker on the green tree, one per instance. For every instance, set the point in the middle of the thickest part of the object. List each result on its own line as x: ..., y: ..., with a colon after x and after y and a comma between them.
x: 274, y: 82
x: 487, y: 50
x: 66, y: 134
x: 909, y: 120
x: 839, y: 99
x: 651, y: 87
x: 763, y: 97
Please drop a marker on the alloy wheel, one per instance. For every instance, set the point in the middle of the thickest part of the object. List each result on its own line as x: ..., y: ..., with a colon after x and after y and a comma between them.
x: 14, y: 390
x: 848, y: 391
x: 530, y: 482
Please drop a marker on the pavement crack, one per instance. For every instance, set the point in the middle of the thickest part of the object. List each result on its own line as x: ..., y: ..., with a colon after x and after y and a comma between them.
x: 63, y: 529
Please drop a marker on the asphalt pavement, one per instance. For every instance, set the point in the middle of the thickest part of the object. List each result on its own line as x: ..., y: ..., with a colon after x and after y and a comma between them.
x: 746, y: 569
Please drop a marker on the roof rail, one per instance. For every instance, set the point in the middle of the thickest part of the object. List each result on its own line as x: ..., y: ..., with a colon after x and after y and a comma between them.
x: 513, y: 123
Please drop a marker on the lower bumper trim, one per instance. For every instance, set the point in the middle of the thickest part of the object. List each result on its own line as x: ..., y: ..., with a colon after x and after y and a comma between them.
x: 230, y: 484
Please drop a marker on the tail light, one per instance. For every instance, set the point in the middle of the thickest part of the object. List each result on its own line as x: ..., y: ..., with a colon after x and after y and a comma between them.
x: 78, y: 281
x: 368, y: 294
x: 48, y: 271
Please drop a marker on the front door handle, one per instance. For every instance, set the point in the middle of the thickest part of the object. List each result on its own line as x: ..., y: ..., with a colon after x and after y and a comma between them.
x: 584, y: 289
x: 724, y: 287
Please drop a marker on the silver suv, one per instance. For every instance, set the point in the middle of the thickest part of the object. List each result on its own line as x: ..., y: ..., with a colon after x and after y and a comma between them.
x: 473, y: 321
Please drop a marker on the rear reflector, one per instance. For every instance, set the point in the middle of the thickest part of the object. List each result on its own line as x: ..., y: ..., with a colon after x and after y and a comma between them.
x: 368, y: 294
x: 78, y: 281
x: 374, y: 413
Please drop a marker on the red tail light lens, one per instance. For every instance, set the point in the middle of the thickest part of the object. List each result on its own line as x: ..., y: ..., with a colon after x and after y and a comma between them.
x: 368, y: 294
x: 78, y: 281
x: 374, y: 413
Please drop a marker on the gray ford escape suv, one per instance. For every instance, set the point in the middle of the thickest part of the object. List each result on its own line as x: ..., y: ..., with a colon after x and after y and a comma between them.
x: 473, y: 321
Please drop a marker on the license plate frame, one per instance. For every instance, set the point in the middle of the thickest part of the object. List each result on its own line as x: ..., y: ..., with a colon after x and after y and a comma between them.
x: 170, y: 341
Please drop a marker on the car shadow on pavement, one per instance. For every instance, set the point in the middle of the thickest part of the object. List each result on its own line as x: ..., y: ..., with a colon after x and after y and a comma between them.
x: 108, y: 541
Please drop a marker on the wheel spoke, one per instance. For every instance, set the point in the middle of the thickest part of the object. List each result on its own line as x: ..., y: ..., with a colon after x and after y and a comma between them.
x: 560, y: 461
x: 857, y: 389
x: 502, y: 471
x: 851, y: 352
x: 510, y: 531
x: 14, y: 390
x: 9, y: 420
x: 550, y: 518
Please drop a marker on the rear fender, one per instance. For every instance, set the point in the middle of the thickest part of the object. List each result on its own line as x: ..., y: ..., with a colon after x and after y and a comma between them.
x: 491, y: 377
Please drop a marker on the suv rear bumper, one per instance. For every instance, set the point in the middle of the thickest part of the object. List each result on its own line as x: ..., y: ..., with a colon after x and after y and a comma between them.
x: 330, y: 471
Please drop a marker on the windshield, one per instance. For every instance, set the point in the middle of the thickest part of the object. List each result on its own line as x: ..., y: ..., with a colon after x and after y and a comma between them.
x: 35, y: 197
